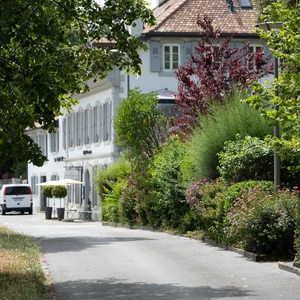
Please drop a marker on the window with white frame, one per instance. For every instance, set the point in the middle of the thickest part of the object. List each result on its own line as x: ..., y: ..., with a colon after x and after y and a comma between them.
x: 171, y: 56
x: 54, y: 141
x: 41, y: 141
x: 54, y: 177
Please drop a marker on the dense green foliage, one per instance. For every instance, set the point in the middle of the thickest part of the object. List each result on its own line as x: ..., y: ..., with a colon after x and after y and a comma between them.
x: 203, y: 198
x: 261, y: 222
x: 247, y: 215
x: 168, y: 193
x: 119, y: 169
x: 221, y: 125
x: 47, y: 191
x: 246, y: 158
x: 49, y: 49
x: 59, y: 191
x: 139, y: 126
x: 109, y: 182
x: 111, y: 200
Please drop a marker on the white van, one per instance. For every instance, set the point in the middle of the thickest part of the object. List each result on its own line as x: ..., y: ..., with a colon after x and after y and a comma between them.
x: 16, y: 197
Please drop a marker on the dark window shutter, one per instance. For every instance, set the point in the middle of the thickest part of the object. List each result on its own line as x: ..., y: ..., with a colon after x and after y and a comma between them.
x: 194, y: 45
x: 155, y: 56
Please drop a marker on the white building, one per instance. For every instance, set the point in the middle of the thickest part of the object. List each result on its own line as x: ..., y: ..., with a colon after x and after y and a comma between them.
x: 84, y: 140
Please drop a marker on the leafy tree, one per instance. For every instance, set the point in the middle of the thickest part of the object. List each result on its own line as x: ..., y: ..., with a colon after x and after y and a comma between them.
x: 280, y: 102
x: 212, y: 73
x: 289, y: 3
x: 140, y: 126
x: 49, y: 49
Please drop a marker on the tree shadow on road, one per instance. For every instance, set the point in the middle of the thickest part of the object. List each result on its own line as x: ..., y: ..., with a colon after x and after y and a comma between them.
x: 79, y: 243
x: 117, y: 289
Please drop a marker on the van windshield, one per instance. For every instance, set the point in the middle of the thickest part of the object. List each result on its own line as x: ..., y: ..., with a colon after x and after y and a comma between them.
x: 17, y: 190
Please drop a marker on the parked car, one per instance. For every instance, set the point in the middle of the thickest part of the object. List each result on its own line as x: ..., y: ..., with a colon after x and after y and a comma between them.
x: 16, y: 197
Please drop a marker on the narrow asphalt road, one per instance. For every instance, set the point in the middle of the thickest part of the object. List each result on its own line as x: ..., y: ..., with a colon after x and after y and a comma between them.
x: 90, y: 261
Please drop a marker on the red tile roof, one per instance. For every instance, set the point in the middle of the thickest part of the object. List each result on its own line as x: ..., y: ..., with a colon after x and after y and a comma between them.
x: 180, y: 16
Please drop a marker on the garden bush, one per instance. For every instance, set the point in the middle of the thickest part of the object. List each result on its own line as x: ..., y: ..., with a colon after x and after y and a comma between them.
x: 59, y: 191
x: 119, y: 169
x: 204, y: 199
x: 246, y: 158
x: 250, y: 158
x: 210, y: 200
x: 168, y: 193
x: 111, y: 200
x: 259, y: 221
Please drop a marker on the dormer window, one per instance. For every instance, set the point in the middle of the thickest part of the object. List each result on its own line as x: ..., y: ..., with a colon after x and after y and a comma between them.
x: 245, y: 4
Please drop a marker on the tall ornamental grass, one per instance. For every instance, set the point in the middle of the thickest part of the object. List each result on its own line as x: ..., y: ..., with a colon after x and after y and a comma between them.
x: 221, y: 125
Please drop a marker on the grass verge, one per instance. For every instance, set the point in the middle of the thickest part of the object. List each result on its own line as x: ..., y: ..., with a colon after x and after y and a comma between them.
x: 21, y: 273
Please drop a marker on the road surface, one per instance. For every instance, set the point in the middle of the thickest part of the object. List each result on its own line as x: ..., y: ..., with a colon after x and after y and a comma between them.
x: 89, y: 261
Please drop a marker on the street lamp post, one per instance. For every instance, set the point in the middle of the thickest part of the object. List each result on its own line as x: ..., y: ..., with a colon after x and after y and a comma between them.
x: 267, y: 26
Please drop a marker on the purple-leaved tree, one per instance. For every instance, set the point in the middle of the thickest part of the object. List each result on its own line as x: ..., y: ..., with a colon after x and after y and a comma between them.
x: 212, y: 73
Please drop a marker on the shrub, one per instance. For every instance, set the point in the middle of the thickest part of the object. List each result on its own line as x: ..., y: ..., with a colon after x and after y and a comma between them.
x: 119, y: 169
x: 111, y: 200
x: 203, y: 198
x: 47, y: 191
x: 59, y: 191
x: 225, y: 198
x: 258, y: 222
x: 221, y: 125
x: 127, y: 205
x: 237, y: 189
x: 248, y: 158
x: 167, y: 189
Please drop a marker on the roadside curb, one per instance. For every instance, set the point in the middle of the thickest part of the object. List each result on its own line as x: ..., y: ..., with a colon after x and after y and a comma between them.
x: 285, y: 266
x: 288, y: 266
